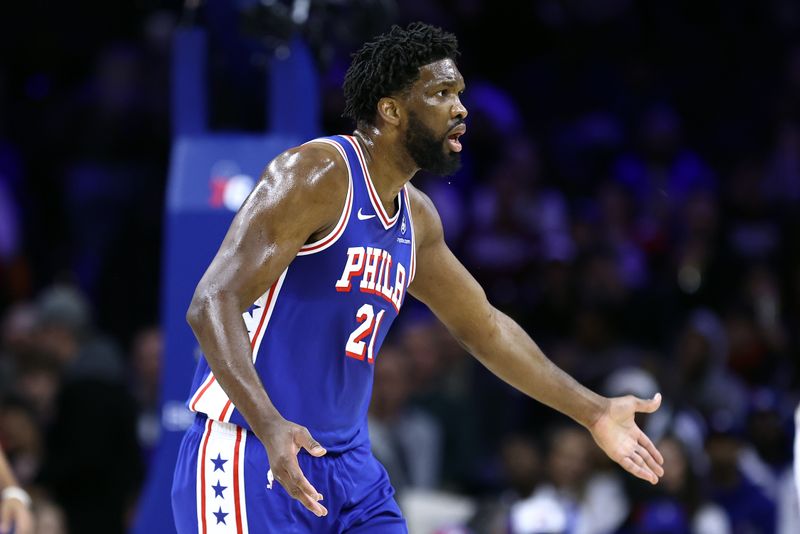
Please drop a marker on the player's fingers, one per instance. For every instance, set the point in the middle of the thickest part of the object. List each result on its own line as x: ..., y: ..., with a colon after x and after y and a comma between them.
x: 304, y: 440
x: 652, y: 464
x: 640, y: 462
x: 648, y: 405
x: 298, y: 486
x: 638, y: 471
x: 645, y: 442
x: 305, y: 499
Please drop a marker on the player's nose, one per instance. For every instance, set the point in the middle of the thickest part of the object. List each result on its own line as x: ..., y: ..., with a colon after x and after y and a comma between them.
x: 459, y: 110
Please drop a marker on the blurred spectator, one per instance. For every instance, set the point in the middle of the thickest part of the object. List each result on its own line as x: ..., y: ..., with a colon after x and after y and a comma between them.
x: 93, y: 455
x: 661, y: 174
x: 65, y: 329
x: 703, y: 377
x: 753, y: 232
x: 21, y: 438
x: 523, y: 467
x: 39, y: 377
x: 443, y: 385
x: 17, y: 329
x: 765, y: 456
x: 748, y: 507
x: 515, y: 222
x: 782, y: 183
x: 92, y: 451
x: 679, y: 503
x: 574, y: 498
x: 406, y: 440
x: 146, y: 359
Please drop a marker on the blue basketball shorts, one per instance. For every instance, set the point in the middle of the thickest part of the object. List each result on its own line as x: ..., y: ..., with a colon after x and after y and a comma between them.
x: 222, y: 484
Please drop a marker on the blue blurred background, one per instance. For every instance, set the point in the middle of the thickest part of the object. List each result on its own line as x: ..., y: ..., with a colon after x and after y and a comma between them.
x: 630, y: 195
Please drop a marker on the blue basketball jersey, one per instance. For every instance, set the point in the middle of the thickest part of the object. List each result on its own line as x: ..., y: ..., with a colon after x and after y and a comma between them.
x: 316, y: 331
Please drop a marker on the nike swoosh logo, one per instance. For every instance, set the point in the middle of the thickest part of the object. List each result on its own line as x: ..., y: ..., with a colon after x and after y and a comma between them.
x: 362, y: 217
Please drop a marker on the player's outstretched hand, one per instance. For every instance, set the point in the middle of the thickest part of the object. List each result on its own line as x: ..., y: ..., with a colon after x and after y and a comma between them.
x: 15, y: 512
x: 619, y: 437
x: 283, y: 442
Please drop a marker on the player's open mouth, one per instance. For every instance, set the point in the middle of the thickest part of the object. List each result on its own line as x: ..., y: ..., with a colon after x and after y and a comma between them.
x: 452, y: 139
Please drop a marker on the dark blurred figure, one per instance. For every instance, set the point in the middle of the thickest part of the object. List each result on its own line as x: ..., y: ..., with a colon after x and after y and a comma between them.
x: 39, y: 380
x: 698, y: 260
x: 574, y: 497
x: 766, y: 454
x: 93, y: 456
x: 443, y: 385
x: 146, y: 358
x: 661, y: 173
x: 405, y: 439
x: 679, y: 503
x: 782, y: 182
x: 17, y: 330
x: 703, y: 379
x: 748, y: 507
x: 65, y: 329
x: 759, y: 335
x: 21, y: 438
x: 92, y: 451
x: 516, y: 221
x: 522, y: 465
x: 522, y: 470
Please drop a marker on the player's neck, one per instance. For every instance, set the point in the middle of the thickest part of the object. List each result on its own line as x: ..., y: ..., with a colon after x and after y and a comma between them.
x: 389, y: 168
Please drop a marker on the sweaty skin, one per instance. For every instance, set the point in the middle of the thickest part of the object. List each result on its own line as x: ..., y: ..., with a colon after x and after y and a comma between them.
x: 299, y: 199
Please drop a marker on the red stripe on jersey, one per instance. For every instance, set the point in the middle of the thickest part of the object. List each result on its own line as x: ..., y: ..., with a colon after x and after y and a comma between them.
x: 376, y: 201
x: 211, y: 380
x: 254, y: 340
x: 203, y: 477
x: 236, y: 497
x: 338, y: 230
x: 413, y: 266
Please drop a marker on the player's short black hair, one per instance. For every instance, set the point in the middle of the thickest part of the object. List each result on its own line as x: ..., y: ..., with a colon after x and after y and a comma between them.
x: 390, y: 63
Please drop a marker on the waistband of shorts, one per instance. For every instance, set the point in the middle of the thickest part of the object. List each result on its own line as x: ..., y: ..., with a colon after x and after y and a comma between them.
x: 224, y: 430
x: 219, y: 428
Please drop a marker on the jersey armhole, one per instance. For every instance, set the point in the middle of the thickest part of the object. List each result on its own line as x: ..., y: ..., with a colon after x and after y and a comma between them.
x: 334, y: 235
x: 413, y: 263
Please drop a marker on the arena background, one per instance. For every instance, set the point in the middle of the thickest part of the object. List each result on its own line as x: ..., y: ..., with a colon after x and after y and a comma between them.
x: 630, y: 195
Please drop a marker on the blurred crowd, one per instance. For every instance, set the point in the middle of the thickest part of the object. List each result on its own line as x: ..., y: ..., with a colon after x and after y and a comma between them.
x: 630, y: 195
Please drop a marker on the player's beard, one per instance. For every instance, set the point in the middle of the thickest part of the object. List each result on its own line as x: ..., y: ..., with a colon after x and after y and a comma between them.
x: 428, y: 152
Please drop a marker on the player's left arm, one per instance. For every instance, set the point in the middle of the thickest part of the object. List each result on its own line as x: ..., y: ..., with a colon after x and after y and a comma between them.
x: 499, y: 343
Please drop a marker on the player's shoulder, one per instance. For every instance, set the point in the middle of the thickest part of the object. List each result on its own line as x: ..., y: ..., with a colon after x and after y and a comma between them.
x: 310, y: 166
x: 427, y: 222
x: 419, y: 200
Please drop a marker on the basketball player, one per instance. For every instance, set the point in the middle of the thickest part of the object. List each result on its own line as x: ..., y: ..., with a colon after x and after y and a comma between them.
x: 292, y: 311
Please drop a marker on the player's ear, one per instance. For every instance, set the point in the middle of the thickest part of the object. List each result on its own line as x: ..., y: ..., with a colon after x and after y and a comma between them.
x: 389, y: 110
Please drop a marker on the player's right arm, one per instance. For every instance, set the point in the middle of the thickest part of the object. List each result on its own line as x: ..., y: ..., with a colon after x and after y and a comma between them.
x: 299, y: 197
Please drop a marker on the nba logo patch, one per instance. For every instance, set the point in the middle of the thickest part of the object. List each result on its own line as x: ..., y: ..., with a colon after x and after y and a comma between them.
x: 403, y: 225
